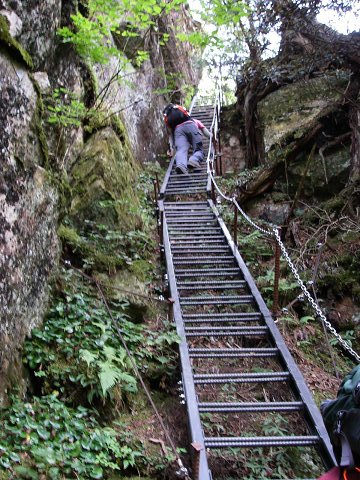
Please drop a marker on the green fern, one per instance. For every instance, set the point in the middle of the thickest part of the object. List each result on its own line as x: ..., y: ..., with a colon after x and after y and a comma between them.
x: 88, y: 357
x: 108, y: 376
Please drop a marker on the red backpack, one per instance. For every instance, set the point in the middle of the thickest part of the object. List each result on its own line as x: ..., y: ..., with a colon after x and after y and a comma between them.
x: 174, y: 115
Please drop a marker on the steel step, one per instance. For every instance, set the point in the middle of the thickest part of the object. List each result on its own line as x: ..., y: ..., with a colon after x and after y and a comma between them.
x: 208, y: 272
x: 226, y: 332
x: 189, y: 216
x: 201, y: 237
x: 178, y: 250
x: 197, y: 229
x: 206, y: 288
x: 205, y: 285
x: 214, y: 378
x: 221, y: 300
x: 216, y: 260
x: 207, y: 407
x: 233, y: 352
x: 185, y: 223
x: 251, y: 442
x: 222, y: 316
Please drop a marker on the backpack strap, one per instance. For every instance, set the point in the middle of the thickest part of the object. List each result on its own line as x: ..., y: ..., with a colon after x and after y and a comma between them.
x: 183, y: 110
x: 346, y: 453
x: 345, y: 473
x: 347, y: 458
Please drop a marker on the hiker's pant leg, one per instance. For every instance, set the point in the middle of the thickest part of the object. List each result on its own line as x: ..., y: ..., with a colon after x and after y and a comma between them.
x: 182, y: 146
x: 196, y: 143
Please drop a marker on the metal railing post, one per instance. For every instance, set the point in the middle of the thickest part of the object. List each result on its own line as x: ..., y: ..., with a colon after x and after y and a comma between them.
x: 171, y: 302
x: 157, y: 182
x: 213, y: 196
x: 155, y: 191
x: 235, y: 223
x: 276, y: 277
x: 196, y: 460
x: 161, y: 227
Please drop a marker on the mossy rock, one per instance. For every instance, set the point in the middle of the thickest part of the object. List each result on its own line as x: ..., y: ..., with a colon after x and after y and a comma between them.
x: 292, y: 110
x: 16, y: 50
x: 127, y: 288
x: 103, y: 184
x: 322, y: 179
x: 99, y: 260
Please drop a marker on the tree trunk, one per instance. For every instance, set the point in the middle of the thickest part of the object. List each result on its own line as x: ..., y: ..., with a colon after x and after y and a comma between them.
x: 354, y: 122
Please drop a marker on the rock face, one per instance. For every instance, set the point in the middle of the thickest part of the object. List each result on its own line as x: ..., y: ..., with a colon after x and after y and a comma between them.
x: 295, y: 111
x: 48, y: 168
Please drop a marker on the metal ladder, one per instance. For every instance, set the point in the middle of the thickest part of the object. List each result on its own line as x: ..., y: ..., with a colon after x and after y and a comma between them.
x: 235, y: 364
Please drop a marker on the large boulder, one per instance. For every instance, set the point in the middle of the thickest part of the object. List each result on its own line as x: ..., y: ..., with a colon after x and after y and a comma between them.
x: 103, y: 181
x: 34, y: 24
x: 308, y: 110
x: 289, y: 112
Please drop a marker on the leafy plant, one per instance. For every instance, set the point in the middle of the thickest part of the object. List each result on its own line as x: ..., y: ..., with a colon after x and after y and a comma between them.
x: 65, y: 108
x: 90, y: 34
x: 254, y: 245
x: 78, y: 350
x: 46, y: 438
x: 266, y: 285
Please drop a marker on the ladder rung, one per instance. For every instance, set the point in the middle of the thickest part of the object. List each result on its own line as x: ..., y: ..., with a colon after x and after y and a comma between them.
x: 225, y: 300
x: 208, y: 272
x: 233, y: 352
x: 241, y: 377
x: 232, y: 332
x: 250, y: 407
x: 246, y: 442
x: 225, y: 317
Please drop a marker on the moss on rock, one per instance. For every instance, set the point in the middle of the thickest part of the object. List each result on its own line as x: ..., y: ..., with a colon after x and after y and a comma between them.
x: 103, y: 182
x: 88, y: 252
x: 291, y: 111
x: 122, y: 286
x: 16, y: 50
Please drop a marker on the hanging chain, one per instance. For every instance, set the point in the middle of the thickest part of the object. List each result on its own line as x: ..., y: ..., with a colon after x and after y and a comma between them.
x: 275, y: 232
x: 266, y: 232
x: 312, y: 302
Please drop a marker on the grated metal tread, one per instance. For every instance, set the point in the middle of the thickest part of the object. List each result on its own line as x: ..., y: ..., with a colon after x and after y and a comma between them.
x: 207, y: 407
x: 233, y: 352
x: 246, y: 442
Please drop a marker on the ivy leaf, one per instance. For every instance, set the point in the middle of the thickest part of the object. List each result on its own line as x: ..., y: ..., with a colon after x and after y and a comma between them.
x: 96, y: 472
x: 26, y: 472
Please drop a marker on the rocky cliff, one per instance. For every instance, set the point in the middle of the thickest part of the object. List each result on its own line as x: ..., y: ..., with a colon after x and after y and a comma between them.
x: 55, y: 166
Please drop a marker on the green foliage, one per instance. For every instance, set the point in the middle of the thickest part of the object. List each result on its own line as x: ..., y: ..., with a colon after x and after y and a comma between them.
x: 349, y: 336
x: 47, y: 439
x: 266, y: 283
x: 91, y: 34
x: 78, y: 351
x: 126, y: 247
x: 254, y: 246
x: 65, y: 108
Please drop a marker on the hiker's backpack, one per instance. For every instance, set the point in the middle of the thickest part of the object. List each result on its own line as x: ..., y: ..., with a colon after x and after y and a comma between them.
x: 174, y: 115
x: 342, y: 420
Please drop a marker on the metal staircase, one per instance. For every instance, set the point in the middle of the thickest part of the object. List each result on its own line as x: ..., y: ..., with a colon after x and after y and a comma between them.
x: 235, y: 365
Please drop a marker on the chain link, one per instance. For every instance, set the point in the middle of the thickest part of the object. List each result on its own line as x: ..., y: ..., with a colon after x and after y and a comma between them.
x: 266, y: 232
x: 312, y: 302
